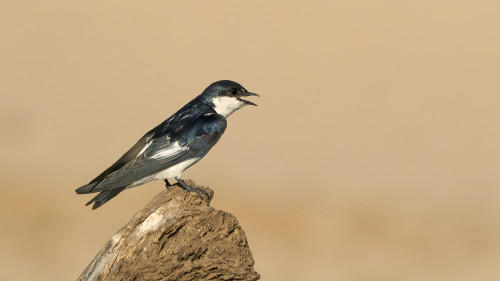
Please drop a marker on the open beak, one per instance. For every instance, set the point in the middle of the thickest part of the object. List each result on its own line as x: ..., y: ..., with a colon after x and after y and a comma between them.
x: 248, y: 94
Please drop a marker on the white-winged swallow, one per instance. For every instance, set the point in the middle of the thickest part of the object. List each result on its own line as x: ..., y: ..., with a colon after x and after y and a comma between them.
x: 173, y: 146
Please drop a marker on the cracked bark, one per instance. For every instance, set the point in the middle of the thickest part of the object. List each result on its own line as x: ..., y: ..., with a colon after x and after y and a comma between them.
x: 177, y: 236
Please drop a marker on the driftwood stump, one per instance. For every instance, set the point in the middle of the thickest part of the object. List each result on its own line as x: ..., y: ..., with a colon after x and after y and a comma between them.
x: 177, y: 236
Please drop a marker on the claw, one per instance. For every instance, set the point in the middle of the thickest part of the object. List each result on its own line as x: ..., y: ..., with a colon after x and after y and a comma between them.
x: 188, y: 188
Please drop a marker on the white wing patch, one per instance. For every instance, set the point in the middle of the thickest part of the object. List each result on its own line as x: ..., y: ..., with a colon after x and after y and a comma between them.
x: 172, y: 149
x: 144, y: 149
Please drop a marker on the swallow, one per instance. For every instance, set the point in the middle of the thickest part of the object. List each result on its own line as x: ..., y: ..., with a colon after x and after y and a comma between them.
x: 173, y: 146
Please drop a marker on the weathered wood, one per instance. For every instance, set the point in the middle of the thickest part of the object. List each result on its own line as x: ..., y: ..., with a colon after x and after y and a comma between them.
x: 177, y: 236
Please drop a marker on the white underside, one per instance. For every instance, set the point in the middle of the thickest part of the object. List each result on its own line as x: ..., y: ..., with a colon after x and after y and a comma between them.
x: 176, y: 170
x: 171, y: 172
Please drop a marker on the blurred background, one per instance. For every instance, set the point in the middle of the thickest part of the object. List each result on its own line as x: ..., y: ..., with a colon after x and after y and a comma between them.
x: 373, y: 154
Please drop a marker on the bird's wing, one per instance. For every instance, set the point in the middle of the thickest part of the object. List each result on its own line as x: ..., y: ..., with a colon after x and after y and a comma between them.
x: 130, y: 155
x: 188, y: 141
x: 189, y: 112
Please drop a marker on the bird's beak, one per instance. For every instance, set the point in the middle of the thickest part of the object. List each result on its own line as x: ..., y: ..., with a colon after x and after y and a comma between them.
x: 248, y: 94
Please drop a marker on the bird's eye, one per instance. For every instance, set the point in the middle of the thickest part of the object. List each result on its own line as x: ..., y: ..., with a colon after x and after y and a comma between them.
x: 234, y: 91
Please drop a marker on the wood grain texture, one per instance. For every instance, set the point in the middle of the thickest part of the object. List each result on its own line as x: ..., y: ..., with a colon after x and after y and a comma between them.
x: 177, y: 236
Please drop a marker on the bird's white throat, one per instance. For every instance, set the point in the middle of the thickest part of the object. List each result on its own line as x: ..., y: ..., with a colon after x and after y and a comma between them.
x: 227, y: 105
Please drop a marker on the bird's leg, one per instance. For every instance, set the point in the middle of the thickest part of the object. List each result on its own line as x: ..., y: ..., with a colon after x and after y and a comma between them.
x: 188, y: 188
x: 167, y: 184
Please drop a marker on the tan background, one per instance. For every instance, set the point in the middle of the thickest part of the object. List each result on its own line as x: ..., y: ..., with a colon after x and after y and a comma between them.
x: 373, y: 154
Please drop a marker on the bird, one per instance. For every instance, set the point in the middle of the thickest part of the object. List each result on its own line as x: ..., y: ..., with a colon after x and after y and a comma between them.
x: 173, y: 146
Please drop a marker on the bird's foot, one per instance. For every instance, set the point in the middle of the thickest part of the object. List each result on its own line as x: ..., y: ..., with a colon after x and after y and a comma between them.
x: 188, y: 188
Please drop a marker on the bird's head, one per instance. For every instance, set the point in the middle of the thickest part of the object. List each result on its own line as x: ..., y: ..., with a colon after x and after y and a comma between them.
x: 227, y: 97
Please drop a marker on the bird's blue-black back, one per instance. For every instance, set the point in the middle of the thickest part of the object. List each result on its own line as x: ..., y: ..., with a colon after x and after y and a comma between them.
x: 181, y: 126
x: 196, y: 127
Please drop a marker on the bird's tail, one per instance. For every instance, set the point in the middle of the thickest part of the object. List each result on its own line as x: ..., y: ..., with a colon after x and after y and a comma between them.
x: 104, y: 197
x: 87, y: 188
